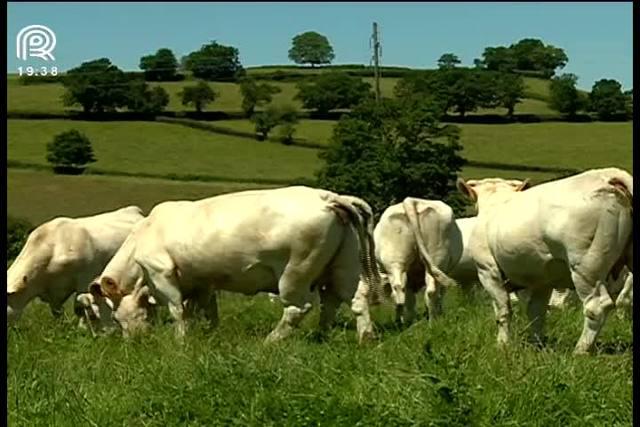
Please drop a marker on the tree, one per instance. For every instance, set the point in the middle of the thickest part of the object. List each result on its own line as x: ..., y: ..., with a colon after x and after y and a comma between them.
x: 510, y: 91
x: 198, y: 95
x: 448, y: 60
x: 497, y: 59
x: 607, y: 100
x: 311, y: 48
x: 161, y: 66
x: 287, y: 119
x: 144, y: 99
x: 384, y: 153
x: 564, y: 96
x: 214, y: 62
x: 70, y: 150
x: 534, y: 55
x: 525, y: 55
x: 97, y: 86
x: 255, y: 94
x: 265, y: 121
x: 461, y: 89
x: 330, y: 91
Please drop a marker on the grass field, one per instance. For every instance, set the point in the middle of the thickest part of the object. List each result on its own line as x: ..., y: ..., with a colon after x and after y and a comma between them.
x: 60, y: 195
x: 449, y: 373
x: 159, y: 148
x: 312, y: 130
x: 572, y: 145
x: 48, y: 97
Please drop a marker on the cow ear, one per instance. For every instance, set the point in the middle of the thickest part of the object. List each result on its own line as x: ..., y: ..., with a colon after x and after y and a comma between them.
x: 466, y: 189
x: 95, y: 290
x: 109, y: 286
x: 525, y: 184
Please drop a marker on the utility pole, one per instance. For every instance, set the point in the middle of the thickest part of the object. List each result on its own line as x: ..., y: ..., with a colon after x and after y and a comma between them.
x: 377, y: 50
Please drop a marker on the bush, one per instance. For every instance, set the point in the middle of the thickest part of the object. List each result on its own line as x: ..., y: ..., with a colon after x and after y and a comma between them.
x: 70, y: 151
x: 18, y: 230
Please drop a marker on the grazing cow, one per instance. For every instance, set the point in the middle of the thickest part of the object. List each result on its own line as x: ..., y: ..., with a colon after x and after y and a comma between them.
x: 62, y: 255
x: 572, y: 232
x: 417, y: 242
x: 281, y: 240
x: 135, y: 309
x: 96, y: 312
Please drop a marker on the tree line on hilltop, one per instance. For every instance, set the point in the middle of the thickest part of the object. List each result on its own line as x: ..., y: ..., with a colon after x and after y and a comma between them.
x: 381, y: 151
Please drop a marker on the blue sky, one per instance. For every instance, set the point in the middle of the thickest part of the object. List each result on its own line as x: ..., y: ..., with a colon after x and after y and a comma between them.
x: 597, y: 37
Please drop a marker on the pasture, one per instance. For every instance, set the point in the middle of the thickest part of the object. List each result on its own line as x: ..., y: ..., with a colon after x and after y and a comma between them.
x: 447, y: 373
x: 160, y: 148
x: 47, y: 97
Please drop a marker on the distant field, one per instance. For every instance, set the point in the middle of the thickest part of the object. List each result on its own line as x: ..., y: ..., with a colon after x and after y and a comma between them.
x: 48, y: 97
x: 319, y: 131
x: 59, y: 195
x: 159, y: 148
x: 527, y: 106
x: 572, y: 145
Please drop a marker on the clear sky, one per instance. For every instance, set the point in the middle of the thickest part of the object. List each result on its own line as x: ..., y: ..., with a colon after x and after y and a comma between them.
x: 597, y: 37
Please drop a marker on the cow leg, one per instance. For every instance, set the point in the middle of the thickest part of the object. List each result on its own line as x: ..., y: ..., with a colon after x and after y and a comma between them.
x: 398, y: 281
x: 492, y: 282
x: 291, y: 318
x: 360, y: 308
x: 296, y: 298
x: 432, y: 296
x: 410, y: 306
x: 329, y: 303
x: 625, y: 299
x: 211, y: 311
x: 536, y: 311
x: 596, y: 306
x: 167, y: 290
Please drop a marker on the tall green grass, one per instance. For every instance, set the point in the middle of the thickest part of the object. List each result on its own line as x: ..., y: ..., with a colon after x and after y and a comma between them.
x: 449, y: 373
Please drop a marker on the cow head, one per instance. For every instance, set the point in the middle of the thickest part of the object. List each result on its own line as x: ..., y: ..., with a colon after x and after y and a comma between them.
x: 95, y: 310
x: 134, y: 311
x: 109, y: 287
x: 489, y: 191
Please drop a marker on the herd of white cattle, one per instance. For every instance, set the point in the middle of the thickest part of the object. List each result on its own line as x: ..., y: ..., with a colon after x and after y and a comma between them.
x: 564, y: 237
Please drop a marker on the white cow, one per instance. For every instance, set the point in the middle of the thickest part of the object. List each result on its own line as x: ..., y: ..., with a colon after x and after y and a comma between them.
x: 134, y: 310
x: 95, y: 311
x: 574, y: 231
x: 62, y: 255
x: 417, y: 243
x: 465, y: 272
x: 281, y: 240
